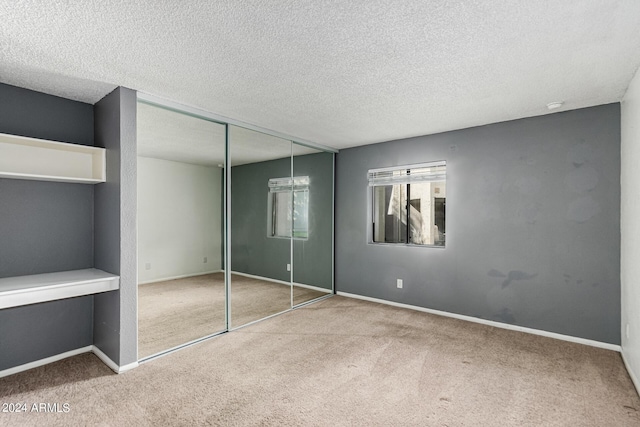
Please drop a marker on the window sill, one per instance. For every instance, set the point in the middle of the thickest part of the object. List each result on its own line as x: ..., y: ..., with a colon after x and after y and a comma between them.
x: 404, y: 245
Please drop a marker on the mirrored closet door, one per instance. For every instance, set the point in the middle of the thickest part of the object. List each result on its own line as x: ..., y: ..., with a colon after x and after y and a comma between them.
x: 261, y: 225
x: 181, y: 288
x: 234, y: 226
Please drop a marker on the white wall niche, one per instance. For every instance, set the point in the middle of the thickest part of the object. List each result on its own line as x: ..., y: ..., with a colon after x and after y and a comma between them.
x: 38, y: 159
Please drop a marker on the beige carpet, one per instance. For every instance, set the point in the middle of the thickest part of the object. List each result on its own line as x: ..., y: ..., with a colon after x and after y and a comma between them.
x: 343, y: 362
x: 175, y: 312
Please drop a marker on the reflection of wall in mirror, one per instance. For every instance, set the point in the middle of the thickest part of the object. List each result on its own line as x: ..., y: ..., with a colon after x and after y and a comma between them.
x: 313, y: 256
x: 179, y: 219
x: 253, y: 251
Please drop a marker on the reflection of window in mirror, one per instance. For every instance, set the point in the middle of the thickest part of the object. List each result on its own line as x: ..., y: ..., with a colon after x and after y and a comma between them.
x: 409, y: 204
x: 283, y: 213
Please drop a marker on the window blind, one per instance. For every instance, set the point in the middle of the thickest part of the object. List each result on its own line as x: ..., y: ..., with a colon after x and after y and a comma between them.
x: 424, y: 172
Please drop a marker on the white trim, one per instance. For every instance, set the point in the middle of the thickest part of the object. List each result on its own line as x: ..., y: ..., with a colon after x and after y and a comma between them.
x: 88, y: 349
x: 110, y: 363
x: 194, y: 111
x: 105, y: 359
x: 52, y: 178
x: 128, y: 367
x: 291, y: 263
x: 282, y: 282
x: 253, y: 322
x: 333, y: 226
x: 45, y: 361
x: 315, y: 288
x: 183, y: 276
x: 508, y: 326
x: 313, y: 301
x: 282, y: 312
x: 266, y: 279
x: 161, y: 353
x: 227, y: 226
x: 632, y: 374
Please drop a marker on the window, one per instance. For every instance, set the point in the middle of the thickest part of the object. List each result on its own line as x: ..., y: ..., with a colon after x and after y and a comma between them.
x: 287, y: 219
x: 408, y: 204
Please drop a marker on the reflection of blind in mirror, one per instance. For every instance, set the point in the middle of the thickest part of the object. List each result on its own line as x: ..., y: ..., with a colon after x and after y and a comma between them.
x: 287, y: 217
x: 284, y: 184
x: 424, y: 172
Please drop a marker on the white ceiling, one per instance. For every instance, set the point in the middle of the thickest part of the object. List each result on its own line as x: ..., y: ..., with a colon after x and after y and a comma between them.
x: 340, y: 73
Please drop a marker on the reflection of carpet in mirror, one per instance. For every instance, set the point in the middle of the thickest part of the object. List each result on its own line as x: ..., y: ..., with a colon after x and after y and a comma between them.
x: 174, y: 312
x: 302, y: 295
x: 253, y: 299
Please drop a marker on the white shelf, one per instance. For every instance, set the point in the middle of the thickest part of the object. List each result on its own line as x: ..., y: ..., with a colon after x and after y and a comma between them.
x: 38, y: 159
x: 24, y: 290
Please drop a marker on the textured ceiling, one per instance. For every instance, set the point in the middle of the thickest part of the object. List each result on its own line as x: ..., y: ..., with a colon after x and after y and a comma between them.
x: 337, y: 72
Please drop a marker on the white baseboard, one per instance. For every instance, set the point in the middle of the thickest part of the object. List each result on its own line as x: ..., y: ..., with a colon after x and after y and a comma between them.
x: 315, y: 288
x: 88, y: 349
x: 266, y: 279
x: 183, y: 276
x: 562, y: 337
x: 282, y: 282
x: 110, y: 363
x: 632, y: 375
x: 45, y: 361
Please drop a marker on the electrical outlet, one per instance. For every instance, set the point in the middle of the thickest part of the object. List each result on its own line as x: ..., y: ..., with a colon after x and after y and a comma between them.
x: 288, y: 267
x: 147, y: 266
x: 399, y: 283
x: 204, y: 260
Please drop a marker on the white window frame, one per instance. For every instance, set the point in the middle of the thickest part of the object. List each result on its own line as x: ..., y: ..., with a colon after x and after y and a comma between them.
x: 435, y: 172
x: 299, y: 184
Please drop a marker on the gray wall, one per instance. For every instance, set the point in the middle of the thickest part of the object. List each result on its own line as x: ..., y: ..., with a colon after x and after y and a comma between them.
x: 252, y: 252
x: 38, y: 115
x: 44, y: 227
x: 115, y: 313
x: 37, y: 331
x: 533, y: 224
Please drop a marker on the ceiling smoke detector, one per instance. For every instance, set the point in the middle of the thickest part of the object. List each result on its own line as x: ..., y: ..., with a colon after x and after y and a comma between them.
x: 555, y: 105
